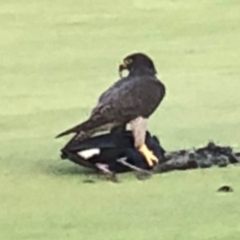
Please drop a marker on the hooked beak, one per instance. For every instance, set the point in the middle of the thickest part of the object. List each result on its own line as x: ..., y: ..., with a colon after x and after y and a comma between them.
x: 121, y: 67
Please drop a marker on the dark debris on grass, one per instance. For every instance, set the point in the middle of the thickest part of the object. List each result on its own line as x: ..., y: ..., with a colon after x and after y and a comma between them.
x: 210, y: 155
x: 225, y: 189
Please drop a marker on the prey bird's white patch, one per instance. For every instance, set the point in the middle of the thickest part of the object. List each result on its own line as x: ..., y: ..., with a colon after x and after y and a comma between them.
x: 86, y: 154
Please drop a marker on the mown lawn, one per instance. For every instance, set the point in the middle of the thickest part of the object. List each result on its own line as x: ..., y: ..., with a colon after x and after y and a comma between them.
x: 57, y: 57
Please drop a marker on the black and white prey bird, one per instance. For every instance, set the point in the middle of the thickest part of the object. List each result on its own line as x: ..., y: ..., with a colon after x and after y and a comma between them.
x: 130, y: 100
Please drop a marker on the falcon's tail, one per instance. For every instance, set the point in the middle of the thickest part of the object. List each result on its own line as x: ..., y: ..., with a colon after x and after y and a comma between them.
x: 84, y: 126
x: 74, y: 129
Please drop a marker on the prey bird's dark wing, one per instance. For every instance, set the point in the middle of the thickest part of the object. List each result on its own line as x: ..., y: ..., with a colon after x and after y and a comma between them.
x: 126, y: 100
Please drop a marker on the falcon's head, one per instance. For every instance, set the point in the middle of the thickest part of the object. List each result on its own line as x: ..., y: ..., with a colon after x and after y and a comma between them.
x: 138, y: 63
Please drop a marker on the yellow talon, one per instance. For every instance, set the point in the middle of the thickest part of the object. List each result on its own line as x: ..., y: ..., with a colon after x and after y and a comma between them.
x: 148, y: 155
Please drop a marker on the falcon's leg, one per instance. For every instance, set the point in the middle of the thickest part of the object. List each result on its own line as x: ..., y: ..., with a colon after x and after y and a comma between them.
x: 139, y: 127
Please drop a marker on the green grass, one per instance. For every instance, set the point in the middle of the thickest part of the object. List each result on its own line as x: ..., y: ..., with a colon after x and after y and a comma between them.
x: 57, y: 57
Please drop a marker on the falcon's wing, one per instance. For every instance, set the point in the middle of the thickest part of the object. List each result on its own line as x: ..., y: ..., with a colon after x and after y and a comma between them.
x: 129, y: 98
x: 126, y: 100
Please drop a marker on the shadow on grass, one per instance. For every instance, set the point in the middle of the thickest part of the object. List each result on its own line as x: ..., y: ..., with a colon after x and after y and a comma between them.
x: 67, y: 169
x: 61, y: 168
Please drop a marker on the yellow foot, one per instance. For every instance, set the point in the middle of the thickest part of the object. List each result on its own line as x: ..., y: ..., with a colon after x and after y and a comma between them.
x: 148, y: 155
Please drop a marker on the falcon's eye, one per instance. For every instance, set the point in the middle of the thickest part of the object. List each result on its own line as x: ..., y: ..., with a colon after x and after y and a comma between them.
x: 128, y: 61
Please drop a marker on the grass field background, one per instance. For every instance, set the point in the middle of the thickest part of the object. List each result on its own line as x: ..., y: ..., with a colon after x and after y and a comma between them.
x: 57, y: 57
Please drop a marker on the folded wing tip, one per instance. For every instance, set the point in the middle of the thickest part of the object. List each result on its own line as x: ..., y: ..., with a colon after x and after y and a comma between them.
x: 60, y: 135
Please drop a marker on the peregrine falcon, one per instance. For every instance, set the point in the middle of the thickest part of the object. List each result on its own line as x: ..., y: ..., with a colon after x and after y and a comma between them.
x: 130, y: 100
